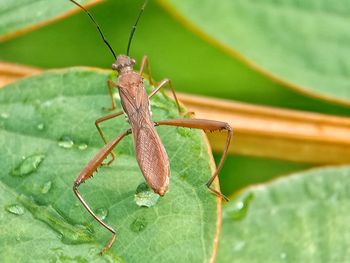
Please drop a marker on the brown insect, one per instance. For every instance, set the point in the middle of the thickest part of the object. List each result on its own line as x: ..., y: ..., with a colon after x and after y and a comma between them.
x: 150, y: 153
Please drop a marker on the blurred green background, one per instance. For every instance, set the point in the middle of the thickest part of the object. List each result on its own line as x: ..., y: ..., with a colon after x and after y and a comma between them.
x: 194, y: 65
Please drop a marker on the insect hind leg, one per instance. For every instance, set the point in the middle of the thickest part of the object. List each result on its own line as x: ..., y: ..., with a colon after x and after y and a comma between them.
x: 87, y: 173
x: 206, y: 125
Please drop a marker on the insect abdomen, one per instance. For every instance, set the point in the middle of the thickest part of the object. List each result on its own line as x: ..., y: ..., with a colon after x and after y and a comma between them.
x: 152, y: 159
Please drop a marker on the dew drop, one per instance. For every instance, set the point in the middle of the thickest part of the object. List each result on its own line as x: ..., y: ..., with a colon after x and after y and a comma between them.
x: 40, y: 126
x: 139, y: 224
x: 46, y: 187
x: 145, y: 196
x: 102, y: 213
x: 241, y: 207
x: 4, y: 115
x: 29, y: 165
x: 66, y: 142
x: 15, y: 209
x: 82, y: 146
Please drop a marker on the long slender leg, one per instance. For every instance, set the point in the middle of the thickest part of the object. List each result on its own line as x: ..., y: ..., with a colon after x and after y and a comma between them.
x: 105, y: 118
x: 144, y: 63
x: 206, y: 125
x: 87, y: 172
x: 102, y: 119
x: 111, y: 85
x: 161, y: 85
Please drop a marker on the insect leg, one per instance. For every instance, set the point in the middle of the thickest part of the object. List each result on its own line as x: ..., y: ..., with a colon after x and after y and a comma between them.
x: 161, y: 85
x: 102, y: 119
x: 111, y: 85
x: 145, y: 63
x: 105, y: 118
x: 88, y: 171
x: 206, y: 125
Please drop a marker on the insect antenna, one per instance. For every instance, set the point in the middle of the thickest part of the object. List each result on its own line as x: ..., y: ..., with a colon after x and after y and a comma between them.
x: 98, y: 27
x: 134, y: 27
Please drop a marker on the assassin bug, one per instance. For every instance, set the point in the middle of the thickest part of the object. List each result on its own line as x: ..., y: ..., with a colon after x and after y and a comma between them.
x: 150, y: 153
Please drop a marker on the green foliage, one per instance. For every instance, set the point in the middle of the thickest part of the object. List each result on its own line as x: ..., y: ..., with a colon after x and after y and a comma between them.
x: 21, y: 14
x: 48, y: 135
x: 300, y: 218
x: 193, y: 65
x: 284, y: 39
x: 270, y: 47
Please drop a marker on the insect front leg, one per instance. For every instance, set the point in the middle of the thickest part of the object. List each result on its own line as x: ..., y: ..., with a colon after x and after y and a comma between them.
x: 206, y: 125
x: 111, y: 85
x: 87, y: 173
x: 102, y: 119
x: 145, y: 63
x: 162, y: 85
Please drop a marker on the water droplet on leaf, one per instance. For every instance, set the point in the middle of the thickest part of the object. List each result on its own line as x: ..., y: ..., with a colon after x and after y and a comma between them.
x: 29, y: 165
x: 66, y: 142
x: 241, y: 207
x: 145, y: 196
x: 82, y: 146
x: 15, y: 209
x: 102, y: 213
x: 40, y: 126
x: 139, y: 224
x: 46, y: 187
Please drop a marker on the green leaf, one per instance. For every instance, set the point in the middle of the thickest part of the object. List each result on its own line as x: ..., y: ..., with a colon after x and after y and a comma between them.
x: 75, y: 37
x: 22, y: 15
x: 299, y: 218
x: 284, y: 40
x: 48, y: 135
